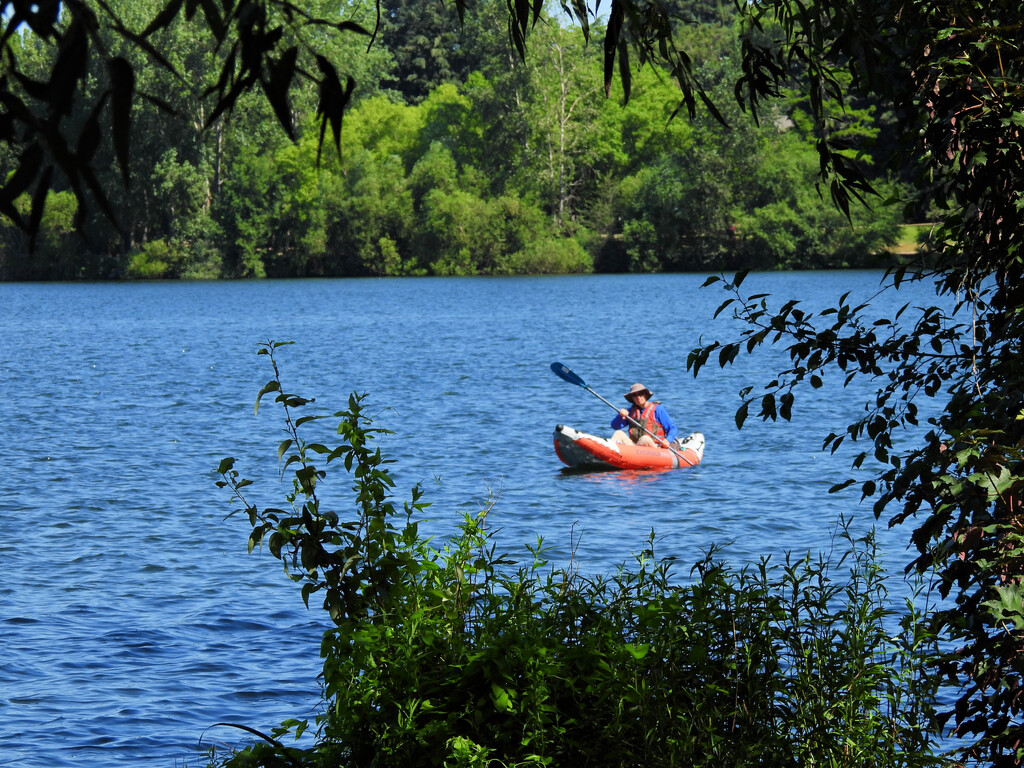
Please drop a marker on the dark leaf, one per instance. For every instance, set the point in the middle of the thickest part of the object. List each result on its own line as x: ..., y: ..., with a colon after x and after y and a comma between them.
x: 579, y: 12
x: 624, y: 73
x: 351, y: 26
x: 728, y: 354
x: 88, y: 174
x: 39, y: 204
x: 89, y: 137
x: 278, y: 88
x: 710, y: 105
x: 34, y: 88
x: 29, y: 163
x: 122, y: 82
x: 71, y: 65
x: 334, y: 100
x: 839, y: 486
x: 786, y: 406
x: 521, y: 19
x: 271, y: 386
x: 613, y: 33
x: 160, y: 104
x: 150, y: 49
x: 164, y: 18
x: 741, y: 414
x: 211, y: 13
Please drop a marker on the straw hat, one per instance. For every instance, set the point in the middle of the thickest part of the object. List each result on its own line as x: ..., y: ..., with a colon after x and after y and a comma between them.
x: 638, y: 389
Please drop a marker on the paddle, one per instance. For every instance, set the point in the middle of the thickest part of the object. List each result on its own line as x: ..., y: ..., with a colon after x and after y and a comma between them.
x: 565, y: 374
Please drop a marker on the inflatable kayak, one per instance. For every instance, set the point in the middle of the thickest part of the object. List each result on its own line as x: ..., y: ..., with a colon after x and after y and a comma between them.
x: 582, y: 451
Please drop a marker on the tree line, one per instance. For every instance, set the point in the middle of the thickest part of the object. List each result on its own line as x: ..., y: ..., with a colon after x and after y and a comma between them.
x: 456, y: 157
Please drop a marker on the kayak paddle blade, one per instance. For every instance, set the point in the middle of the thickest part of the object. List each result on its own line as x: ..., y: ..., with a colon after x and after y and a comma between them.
x: 564, y: 373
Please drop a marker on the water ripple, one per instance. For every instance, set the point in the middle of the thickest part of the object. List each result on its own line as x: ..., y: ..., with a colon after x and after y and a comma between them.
x: 134, y: 620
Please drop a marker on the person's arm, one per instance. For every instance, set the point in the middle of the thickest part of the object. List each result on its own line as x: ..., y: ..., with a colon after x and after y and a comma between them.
x: 619, y: 422
x: 661, y: 414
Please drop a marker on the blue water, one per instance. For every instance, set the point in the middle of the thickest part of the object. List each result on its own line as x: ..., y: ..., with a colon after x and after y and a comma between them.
x: 132, y: 618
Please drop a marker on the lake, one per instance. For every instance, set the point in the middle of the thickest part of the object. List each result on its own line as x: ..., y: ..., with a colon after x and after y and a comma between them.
x: 133, y: 619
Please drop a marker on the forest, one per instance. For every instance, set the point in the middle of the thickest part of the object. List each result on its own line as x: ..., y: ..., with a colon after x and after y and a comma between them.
x: 456, y: 157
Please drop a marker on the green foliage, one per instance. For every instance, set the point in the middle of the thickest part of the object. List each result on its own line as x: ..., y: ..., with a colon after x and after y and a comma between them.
x: 450, y: 120
x: 787, y: 223
x: 455, y: 655
x: 435, y: 43
x: 426, y: 42
x: 504, y: 235
x: 162, y: 259
x: 665, y: 229
x: 551, y: 256
x: 55, y: 246
x: 386, y: 129
x: 85, y: 99
x: 739, y: 196
x: 951, y: 72
x: 215, y: 180
x: 944, y: 75
x: 373, y: 203
x: 155, y: 261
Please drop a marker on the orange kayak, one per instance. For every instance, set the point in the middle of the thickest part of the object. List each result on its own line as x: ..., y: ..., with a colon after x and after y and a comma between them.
x: 582, y: 451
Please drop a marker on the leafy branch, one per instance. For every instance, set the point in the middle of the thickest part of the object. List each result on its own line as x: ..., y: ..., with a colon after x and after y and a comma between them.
x: 359, y: 559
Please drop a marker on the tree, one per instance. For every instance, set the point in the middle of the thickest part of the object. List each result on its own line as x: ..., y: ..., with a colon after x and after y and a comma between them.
x: 425, y: 44
x: 434, y: 43
x: 372, y: 226
x: 702, y: 12
x: 566, y: 99
x: 952, y: 72
x: 266, y: 46
x: 56, y: 122
x: 54, y: 251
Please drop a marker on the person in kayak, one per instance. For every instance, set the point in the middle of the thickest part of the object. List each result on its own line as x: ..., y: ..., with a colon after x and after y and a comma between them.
x: 652, y: 415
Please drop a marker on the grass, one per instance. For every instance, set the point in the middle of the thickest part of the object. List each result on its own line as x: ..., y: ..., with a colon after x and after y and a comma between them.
x: 912, y: 238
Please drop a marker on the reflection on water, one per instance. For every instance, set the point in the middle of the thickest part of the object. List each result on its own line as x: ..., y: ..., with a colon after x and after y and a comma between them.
x: 619, y: 477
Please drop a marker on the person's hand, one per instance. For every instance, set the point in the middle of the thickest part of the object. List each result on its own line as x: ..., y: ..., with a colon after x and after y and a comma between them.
x: 623, y: 413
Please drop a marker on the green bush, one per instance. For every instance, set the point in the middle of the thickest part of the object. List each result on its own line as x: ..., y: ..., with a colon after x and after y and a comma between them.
x: 456, y: 656
x: 464, y: 234
x: 163, y: 259
x: 155, y: 260
x: 56, y: 253
x: 552, y: 256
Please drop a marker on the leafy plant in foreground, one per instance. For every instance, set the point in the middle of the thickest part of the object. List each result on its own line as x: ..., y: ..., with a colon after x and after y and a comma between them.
x: 452, y: 655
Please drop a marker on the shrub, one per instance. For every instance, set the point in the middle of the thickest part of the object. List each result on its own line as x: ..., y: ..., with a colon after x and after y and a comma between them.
x: 155, y: 260
x: 551, y: 256
x: 56, y: 253
x: 456, y: 656
x: 162, y: 259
